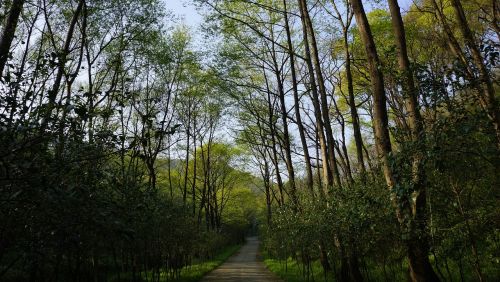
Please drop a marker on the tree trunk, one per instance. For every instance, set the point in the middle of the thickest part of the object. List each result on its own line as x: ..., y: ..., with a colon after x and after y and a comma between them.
x: 52, y: 93
x: 286, y: 135
x: 380, y: 118
x: 487, y: 99
x: 420, y: 266
x: 272, y: 128
x: 358, y: 140
x: 267, y: 184
x: 9, y: 32
x: 298, y: 118
x: 193, y: 185
x: 322, y: 91
x: 186, y: 159
x: 452, y: 40
x: 327, y: 175
x: 321, y: 107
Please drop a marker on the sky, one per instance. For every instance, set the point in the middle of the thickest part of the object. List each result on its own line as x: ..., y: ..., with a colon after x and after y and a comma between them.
x: 185, y: 9
x: 190, y: 16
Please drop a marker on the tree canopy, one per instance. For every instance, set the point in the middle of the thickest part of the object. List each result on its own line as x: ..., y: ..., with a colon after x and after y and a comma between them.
x: 354, y: 137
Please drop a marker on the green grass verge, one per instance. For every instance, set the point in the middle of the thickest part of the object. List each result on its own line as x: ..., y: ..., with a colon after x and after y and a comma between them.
x: 291, y: 271
x: 195, y: 272
x: 192, y: 273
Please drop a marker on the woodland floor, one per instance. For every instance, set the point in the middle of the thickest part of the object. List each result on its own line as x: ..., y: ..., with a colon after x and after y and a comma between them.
x: 244, y: 266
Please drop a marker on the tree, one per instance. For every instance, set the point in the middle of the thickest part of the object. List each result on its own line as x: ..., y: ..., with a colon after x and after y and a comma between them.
x: 9, y: 31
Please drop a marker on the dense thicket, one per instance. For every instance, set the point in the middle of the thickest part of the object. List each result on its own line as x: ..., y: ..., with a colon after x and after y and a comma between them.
x: 110, y: 166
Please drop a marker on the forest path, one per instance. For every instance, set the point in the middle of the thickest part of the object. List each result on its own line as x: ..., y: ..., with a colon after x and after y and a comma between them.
x: 243, y: 266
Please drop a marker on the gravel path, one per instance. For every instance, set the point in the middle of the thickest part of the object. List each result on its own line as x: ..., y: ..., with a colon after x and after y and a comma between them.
x: 243, y: 266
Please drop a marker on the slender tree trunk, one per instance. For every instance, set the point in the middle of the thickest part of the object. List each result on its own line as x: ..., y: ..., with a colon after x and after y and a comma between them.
x: 267, y: 185
x: 420, y: 266
x: 186, y: 165
x: 207, y: 180
x: 272, y: 129
x: 71, y: 77
x: 487, y: 99
x: 298, y: 118
x: 169, y: 167
x: 193, y: 185
x: 470, y: 234
x: 358, y: 140
x: 486, y: 89
x: 309, y: 29
x: 21, y: 73
x: 65, y: 52
x: 327, y: 174
x: 204, y: 189
x: 317, y: 148
x: 286, y: 135
x: 380, y: 118
x: 452, y: 40
x: 52, y: 93
x: 90, y: 82
x: 9, y: 31
x: 334, y: 172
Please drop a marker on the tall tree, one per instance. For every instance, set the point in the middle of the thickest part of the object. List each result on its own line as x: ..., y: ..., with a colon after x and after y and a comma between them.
x: 420, y: 269
x: 488, y: 98
x: 9, y: 31
x: 325, y: 109
x: 418, y: 246
x: 345, y: 25
x: 298, y: 118
x: 327, y: 172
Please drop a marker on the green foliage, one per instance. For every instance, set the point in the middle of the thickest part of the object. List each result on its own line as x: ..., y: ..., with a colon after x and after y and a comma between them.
x: 89, y: 187
x: 117, y: 164
x: 291, y: 271
x: 196, y: 271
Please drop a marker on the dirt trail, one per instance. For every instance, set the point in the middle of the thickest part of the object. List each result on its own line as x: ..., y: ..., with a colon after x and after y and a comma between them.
x: 243, y: 266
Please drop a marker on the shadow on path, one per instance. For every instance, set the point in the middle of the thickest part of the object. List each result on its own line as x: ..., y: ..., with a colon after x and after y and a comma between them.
x: 243, y: 266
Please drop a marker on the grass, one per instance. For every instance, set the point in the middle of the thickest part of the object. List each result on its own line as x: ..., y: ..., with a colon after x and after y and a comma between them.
x: 291, y: 271
x: 196, y: 271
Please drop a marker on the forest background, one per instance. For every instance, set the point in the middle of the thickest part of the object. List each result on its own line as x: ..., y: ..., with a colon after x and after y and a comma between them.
x: 358, y: 139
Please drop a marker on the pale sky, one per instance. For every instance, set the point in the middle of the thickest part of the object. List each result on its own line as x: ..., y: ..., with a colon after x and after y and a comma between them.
x: 186, y: 10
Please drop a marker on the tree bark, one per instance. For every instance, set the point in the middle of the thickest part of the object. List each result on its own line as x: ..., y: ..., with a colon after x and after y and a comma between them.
x: 298, y: 118
x: 380, y: 118
x: 487, y: 99
x: 452, y: 40
x: 272, y: 128
x: 9, y: 32
x: 420, y: 266
x: 193, y: 185
x: 322, y: 91
x: 322, y: 110
x: 358, y: 140
x: 286, y: 134
x: 62, y: 58
x: 186, y: 160
x: 327, y: 174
